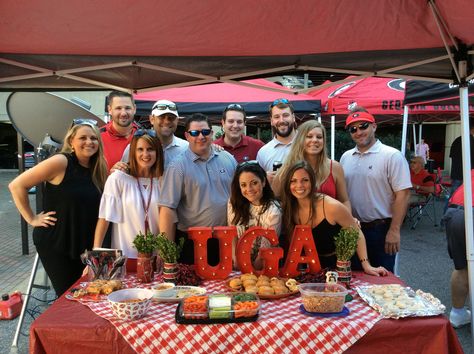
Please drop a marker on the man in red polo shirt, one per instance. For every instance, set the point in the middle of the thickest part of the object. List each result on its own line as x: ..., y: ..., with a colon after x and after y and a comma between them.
x: 234, y: 141
x: 118, y: 133
x: 456, y: 236
x: 422, y: 180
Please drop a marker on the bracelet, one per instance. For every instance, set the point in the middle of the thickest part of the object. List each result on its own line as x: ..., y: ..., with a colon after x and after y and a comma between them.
x: 363, y: 260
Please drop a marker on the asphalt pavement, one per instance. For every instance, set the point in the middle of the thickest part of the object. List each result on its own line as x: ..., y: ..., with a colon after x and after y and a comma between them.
x: 424, y: 264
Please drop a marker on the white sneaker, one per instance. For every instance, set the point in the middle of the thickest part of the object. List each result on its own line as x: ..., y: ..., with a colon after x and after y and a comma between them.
x: 460, y: 319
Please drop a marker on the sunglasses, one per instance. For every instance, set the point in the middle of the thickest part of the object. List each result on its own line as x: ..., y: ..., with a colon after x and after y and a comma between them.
x: 141, y: 132
x: 86, y: 121
x: 195, y: 133
x: 163, y: 106
x: 354, y: 128
x: 247, y: 163
x: 234, y: 107
x: 280, y: 100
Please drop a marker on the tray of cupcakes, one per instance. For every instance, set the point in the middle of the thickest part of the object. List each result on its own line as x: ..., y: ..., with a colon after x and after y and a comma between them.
x: 218, y: 308
x: 265, y: 287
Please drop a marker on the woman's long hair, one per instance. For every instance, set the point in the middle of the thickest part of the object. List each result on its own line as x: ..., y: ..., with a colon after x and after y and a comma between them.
x: 97, y: 162
x: 289, y: 203
x: 297, y: 152
x: 158, y: 167
x: 240, y: 204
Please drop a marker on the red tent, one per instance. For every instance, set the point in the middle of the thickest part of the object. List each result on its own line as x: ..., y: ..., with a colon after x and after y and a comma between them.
x: 382, y: 97
x: 55, y: 44
x: 211, y: 99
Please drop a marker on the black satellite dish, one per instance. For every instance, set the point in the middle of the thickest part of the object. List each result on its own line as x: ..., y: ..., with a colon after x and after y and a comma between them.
x: 36, y: 115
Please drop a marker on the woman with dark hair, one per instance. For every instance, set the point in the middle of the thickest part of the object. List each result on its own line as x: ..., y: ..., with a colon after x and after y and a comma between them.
x: 326, y: 216
x: 310, y: 145
x: 130, y: 201
x: 73, y: 183
x: 252, y: 203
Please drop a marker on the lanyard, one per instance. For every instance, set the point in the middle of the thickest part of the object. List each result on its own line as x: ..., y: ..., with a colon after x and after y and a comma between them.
x: 147, y: 205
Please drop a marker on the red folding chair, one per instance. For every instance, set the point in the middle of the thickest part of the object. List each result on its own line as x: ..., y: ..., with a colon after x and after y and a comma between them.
x: 425, y: 206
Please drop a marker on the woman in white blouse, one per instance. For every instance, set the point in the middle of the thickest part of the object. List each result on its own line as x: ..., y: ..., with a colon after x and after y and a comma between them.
x: 130, y: 201
x: 252, y: 203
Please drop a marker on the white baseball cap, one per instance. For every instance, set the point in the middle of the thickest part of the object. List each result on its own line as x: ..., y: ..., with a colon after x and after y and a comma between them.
x: 164, y: 106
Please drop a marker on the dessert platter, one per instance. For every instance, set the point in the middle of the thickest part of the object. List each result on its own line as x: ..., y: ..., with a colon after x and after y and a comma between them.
x: 218, y: 308
x: 396, y: 301
x: 265, y: 287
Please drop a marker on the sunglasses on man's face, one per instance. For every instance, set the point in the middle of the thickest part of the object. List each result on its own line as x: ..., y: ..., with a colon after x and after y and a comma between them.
x: 195, y: 133
x: 163, y: 106
x: 280, y: 100
x: 141, y: 132
x: 354, y: 128
x: 86, y: 121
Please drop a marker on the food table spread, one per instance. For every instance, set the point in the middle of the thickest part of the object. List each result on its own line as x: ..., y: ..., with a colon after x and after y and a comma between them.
x: 76, y: 328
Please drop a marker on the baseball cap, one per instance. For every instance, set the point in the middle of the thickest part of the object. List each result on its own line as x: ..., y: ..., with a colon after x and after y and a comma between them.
x: 164, y: 106
x: 359, y: 117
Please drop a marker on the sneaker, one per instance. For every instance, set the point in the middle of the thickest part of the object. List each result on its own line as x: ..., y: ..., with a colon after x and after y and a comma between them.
x: 459, y: 320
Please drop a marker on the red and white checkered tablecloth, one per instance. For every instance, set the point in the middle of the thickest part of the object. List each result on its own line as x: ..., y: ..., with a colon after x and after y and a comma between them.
x: 280, y: 328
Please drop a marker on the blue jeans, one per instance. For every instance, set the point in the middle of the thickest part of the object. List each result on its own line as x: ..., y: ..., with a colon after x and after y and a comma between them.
x: 375, y: 240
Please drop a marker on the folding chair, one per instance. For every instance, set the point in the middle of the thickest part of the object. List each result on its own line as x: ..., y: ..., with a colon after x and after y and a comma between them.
x: 444, y: 184
x: 426, y: 206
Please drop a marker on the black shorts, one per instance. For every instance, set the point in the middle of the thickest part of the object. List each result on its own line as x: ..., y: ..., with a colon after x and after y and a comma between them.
x: 455, y: 232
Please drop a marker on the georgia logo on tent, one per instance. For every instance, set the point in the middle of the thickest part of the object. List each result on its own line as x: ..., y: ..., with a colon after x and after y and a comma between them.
x: 341, y: 89
x: 397, y: 84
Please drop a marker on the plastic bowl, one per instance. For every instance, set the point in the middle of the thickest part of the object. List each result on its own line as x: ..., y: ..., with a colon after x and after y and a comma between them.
x: 163, y: 290
x: 322, y: 297
x: 130, y: 304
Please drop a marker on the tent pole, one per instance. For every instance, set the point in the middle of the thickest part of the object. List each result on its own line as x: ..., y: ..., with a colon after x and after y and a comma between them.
x: 333, y: 136
x: 414, y: 138
x: 420, y: 133
x: 466, y: 162
x: 403, y: 148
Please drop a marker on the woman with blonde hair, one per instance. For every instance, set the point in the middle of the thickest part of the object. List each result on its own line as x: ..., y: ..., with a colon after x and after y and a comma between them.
x: 325, y: 215
x: 310, y: 145
x: 73, y: 183
x: 130, y: 201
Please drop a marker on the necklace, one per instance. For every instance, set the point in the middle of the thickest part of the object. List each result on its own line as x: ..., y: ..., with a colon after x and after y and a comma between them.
x: 146, y: 206
x: 309, y: 220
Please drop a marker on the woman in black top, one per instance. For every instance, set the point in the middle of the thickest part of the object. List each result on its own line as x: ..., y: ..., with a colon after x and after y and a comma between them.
x: 325, y: 215
x: 73, y: 183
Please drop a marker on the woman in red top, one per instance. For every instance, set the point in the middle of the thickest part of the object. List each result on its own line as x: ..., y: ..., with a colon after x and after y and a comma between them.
x: 310, y: 145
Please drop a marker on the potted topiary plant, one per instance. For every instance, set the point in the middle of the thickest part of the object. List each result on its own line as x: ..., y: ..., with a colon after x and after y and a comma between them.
x: 145, y: 244
x: 346, y: 245
x: 169, y: 252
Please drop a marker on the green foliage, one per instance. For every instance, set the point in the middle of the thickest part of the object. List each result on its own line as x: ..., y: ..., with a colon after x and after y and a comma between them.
x: 168, y: 250
x: 346, y: 243
x: 145, y: 243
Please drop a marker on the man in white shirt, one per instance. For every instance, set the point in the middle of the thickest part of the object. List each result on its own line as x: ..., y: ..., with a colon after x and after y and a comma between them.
x: 164, y: 119
x: 378, y: 183
x: 283, y: 122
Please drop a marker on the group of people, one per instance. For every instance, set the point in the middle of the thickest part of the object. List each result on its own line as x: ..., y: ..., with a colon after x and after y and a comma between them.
x: 132, y: 180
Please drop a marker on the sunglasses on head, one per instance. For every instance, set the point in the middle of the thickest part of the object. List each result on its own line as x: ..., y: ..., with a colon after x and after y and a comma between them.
x: 234, y: 107
x: 280, y: 100
x: 195, y: 133
x: 163, y: 106
x: 354, y: 128
x: 247, y: 163
x: 141, y: 132
x: 86, y: 121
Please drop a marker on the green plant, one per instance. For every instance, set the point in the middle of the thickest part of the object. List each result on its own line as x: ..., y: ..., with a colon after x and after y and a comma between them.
x: 145, y: 243
x: 168, y: 250
x: 346, y: 243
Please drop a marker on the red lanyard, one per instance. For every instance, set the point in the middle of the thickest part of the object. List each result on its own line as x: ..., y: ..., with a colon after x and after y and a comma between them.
x: 147, y: 206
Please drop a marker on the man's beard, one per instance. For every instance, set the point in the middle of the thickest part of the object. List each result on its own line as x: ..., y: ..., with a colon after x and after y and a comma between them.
x: 288, y: 132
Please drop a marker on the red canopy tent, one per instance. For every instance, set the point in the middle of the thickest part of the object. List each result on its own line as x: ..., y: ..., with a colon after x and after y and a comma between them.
x: 212, y: 99
x: 382, y: 97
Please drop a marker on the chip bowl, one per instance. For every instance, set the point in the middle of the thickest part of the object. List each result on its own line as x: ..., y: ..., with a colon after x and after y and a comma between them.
x: 130, y: 304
